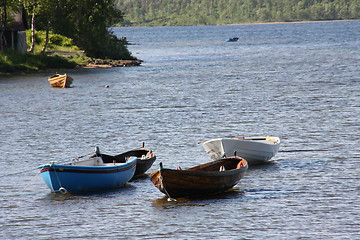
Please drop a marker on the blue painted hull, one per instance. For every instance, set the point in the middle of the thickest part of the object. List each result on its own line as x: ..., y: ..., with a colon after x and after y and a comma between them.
x: 80, y: 179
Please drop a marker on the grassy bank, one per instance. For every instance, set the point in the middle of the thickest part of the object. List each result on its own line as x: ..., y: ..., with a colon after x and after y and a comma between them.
x: 13, y: 61
x: 61, y: 53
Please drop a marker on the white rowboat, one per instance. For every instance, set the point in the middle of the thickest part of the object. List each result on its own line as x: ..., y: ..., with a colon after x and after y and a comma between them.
x: 256, y: 150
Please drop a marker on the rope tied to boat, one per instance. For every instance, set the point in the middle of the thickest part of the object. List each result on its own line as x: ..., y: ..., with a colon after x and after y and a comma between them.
x: 74, y: 159
x: 32, y: 180
x: 162, y: 185
x: 17, y: 173
x: 61, y: 188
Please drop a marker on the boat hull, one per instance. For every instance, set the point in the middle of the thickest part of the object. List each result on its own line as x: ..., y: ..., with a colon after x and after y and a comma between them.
x: 254, y: 150
x: 143, y: 165
x: 190, y: 182
x: 80, y: 179
x: 232, y: 39
x: 145, y: 159
x: 60, y: 81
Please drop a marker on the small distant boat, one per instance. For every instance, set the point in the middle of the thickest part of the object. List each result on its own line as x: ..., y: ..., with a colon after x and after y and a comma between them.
x: 256, y: 150
x: 89, y: 175
x: 234, y: 39
x: 61, y: 81
x: 208, y: 178
x: 145, y: 158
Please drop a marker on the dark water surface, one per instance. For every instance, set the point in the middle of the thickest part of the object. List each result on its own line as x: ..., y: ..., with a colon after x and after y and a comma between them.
x: 297, y: 81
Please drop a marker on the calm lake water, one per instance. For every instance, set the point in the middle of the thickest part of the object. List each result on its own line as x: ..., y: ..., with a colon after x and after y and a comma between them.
x: 297, y: 81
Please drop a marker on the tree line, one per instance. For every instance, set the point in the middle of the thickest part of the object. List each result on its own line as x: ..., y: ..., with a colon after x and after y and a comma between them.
x: 87, y: 22
x: 211, y: 12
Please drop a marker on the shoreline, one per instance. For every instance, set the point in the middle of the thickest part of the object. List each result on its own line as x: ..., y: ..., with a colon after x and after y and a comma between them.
x: 253, y: 23
x: 344, y: 20
x: 99, y: 64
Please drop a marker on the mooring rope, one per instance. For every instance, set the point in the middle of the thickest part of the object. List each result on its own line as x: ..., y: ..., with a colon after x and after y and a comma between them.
x: 61, y: 188
x: 32, y: 180
x: 57, y: 162
x: 163, y: 187
x: 17, y: 173
x: 77, y: 158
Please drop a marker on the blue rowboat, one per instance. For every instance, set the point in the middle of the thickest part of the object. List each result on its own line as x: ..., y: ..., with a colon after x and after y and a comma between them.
x: 87, y: 175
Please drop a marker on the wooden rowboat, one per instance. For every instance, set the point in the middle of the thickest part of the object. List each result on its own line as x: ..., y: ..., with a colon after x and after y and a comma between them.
x: 61, y: 81
x: 145, y: 158
x: 208, y: 178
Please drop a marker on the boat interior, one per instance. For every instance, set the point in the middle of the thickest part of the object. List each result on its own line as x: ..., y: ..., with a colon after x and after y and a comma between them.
x: 220, y: 165
x: 100, y: 159
x: 93, y: 161
x: 121, y: 158
x: 267, y: 139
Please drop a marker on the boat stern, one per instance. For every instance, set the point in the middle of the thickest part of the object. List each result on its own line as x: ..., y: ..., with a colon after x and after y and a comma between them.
x: 214, y: 148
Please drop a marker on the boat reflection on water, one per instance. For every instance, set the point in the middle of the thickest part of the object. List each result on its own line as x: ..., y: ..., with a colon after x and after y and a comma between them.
x: 199, y: 200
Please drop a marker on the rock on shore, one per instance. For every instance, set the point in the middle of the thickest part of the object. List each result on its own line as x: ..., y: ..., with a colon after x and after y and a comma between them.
x: 101, y: 63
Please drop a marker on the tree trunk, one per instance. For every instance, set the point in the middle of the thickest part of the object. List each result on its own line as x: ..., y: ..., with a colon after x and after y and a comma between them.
x: 3, y: 23
x: 46, y: 37
x: 32, y: 33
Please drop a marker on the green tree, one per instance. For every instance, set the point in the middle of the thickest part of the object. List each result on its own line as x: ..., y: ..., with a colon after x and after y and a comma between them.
x: 6, y: 7
x: 32, y: 7
x: 86, y: 21
x: 191, y: 12
x: 47, y: 14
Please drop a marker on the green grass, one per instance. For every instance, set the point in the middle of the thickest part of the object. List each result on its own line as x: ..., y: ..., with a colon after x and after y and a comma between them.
x: 56, y: 42
x: 14, y: 61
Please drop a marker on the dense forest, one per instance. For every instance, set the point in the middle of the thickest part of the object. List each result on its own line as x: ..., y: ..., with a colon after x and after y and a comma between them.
x: 211, y: 12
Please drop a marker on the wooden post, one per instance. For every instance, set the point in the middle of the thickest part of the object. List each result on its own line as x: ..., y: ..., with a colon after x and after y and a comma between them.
x: 1, y: 41
x: 12, y: 39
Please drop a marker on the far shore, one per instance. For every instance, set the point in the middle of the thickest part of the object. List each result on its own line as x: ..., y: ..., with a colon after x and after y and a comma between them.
x: 254, y: 23
x: 344, y: 20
